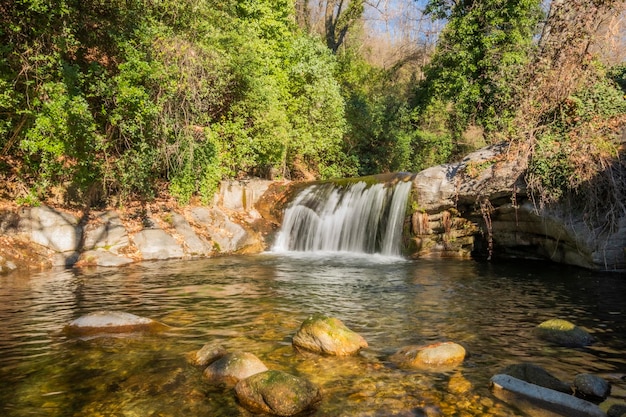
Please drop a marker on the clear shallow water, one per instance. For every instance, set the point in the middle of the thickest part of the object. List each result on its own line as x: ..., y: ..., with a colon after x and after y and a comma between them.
x: 256, y: 303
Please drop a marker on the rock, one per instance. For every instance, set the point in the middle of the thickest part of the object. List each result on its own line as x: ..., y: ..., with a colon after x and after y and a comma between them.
x: 53, y: 229
x: 156, y: 244
x: 207, y: 354
x: 277, y: 393
x: 617, y: 410
x: 112, y: 322
x: 563, y: 333
x: 536, y: 375
x: 242, y: 195
x: 227, y: 235
x: 538, y: 401
x: 438, y: 356
x: 108, y: 233
x: 591, y: 388
x: 195, y: 246
x: 328, y: 335
x: 102, y: 257
x: 234, y: 367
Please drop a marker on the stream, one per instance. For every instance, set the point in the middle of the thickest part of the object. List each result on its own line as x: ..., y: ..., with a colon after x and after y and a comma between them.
x: 256, y: 303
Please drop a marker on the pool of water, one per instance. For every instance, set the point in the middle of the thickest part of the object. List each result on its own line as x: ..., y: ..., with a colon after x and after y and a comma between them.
x: 256, y: 303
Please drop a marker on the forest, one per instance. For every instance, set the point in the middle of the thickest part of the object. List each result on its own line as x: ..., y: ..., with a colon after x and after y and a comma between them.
x: 106, y: 101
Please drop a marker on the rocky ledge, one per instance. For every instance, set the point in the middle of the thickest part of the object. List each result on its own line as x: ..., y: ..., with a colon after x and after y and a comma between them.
x: 41, y: 237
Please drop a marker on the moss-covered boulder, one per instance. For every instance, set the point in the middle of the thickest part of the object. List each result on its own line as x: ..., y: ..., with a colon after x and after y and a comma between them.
x: 277, y: 393
x: 435, y: 357
x: 233, y: 367
x: 328, y: 335
x: 563, y: 333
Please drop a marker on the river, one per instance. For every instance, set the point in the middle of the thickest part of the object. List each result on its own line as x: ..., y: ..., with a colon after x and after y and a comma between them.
x: 256, y: 303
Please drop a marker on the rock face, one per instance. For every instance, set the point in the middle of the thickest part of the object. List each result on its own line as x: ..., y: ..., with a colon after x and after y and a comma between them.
x: 563, y: 333
x: 112, y: 238
x: 480, y: 206
x: 112, y: 322
x: 233, y: 367
x: 438, y: 356
x: 277, y: 393
x: 538, y: 401
x: 328, y: 335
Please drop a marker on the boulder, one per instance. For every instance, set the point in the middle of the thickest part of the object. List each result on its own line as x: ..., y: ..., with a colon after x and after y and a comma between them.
x: 194, y: 245
x: 617, y: 410
x: 437, y: 356
x: 108, y: 233
x: 101, y: 257
x: 328, y: 335
x: 233, y: 367
x: 538, y: 401
x: 156, y: 244
x: 207, y: 354
x: 112, y: 322
x: 591, y: 387
x: 53, y: 229
x: 563, y: 333
x: 227, y: 235
x: 536, y: 375
x: 277, y: 393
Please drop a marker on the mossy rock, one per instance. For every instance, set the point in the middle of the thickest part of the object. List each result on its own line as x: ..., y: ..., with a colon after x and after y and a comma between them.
x: 563, y: 333
x: 328, y: 335
x: 277, y: 393
x: 233, y: 367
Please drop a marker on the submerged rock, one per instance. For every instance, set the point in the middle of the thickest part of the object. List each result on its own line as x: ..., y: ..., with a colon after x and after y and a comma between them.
x: 536, y: 375
x: 591, y: 388
x: 563, y: 333
x: 234, y: 367
x: 435, y: 357
x: 328, y: 335
x: 113, y: 322
x: 539, y: 401
x: 207, y: 354
x: 278, y: 393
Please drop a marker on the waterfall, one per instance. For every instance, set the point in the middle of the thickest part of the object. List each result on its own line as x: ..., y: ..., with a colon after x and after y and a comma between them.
x: 358, y: 218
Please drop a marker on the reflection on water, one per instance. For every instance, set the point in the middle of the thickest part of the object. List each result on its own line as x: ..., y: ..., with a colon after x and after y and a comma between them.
x: 256, y: 303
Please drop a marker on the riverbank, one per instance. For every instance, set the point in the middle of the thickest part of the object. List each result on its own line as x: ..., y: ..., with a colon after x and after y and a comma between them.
x: 44, y: 236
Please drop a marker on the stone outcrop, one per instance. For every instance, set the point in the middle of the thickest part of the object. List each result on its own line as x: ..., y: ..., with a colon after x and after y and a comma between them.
x: 328, y: 335
x: 480, y: 206
x: 115, y: 238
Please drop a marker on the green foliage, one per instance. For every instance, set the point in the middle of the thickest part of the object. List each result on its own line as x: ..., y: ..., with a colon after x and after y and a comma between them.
x: 477, y: 65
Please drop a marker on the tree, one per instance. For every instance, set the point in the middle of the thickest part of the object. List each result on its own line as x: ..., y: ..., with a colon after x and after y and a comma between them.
x: 478, y: 60
x: 332, y: 19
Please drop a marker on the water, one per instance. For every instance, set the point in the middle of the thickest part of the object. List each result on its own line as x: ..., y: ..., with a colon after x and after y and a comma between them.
x: 357, y: 218
x: 256, y: 303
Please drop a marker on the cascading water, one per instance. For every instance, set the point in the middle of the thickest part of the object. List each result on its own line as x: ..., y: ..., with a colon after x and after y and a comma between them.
x: 354, y: 218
